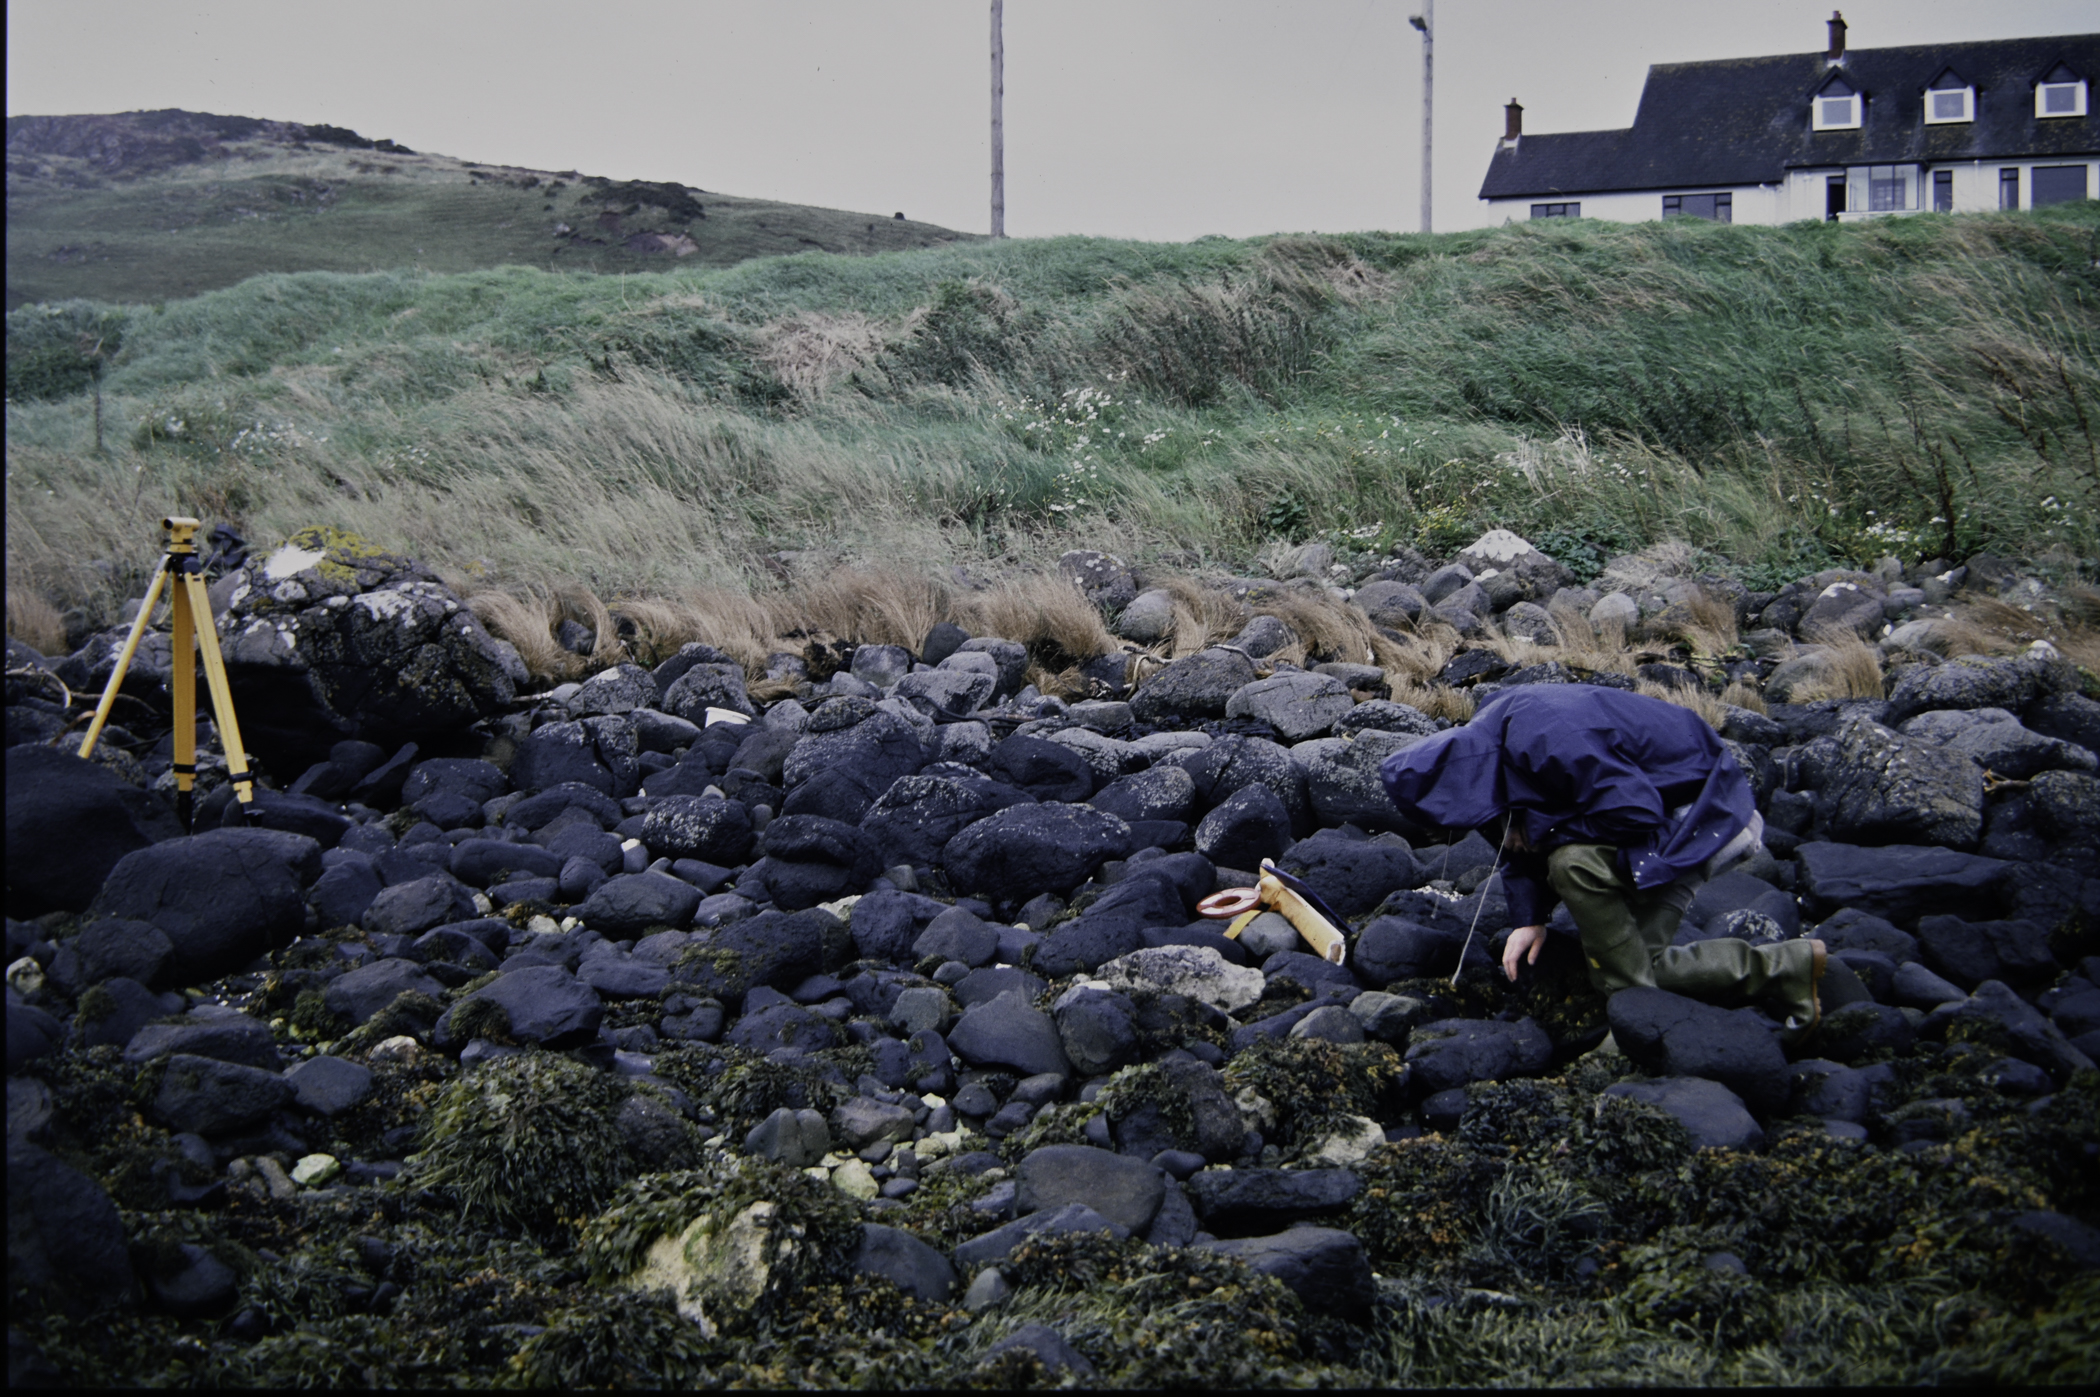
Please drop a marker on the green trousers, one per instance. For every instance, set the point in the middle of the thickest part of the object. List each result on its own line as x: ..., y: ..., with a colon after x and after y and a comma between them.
x: 1626, y: 940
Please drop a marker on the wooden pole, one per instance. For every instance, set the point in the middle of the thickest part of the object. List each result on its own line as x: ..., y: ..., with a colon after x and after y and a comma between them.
x: 998, y: 119
x: 1428, y: 98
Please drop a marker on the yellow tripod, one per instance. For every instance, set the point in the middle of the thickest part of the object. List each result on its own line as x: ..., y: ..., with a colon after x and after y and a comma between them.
x: 190, y: 611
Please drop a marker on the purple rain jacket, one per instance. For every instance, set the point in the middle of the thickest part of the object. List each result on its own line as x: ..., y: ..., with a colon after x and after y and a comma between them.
x: 1577, y: 764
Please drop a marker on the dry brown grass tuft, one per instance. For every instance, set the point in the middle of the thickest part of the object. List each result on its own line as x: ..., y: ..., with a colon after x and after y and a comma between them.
x: 1331, y: 630
x: 1741, y: 695
x: 1710, y: 631
x: 1437, y: 700
x: 1417, y: 659
x: 1044, y: 611
x: 1593, y: 648
x: 734, y: 622
x: 1700, y: 701
x: 1855, y: 669
x: 583, y: 606
x: 1202, y: 615
x: 864, y: 605
x: 35, y: 622
x: 528, y: 624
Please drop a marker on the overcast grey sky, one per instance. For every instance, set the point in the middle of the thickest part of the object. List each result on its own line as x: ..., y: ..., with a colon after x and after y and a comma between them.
x: 1161, y: 119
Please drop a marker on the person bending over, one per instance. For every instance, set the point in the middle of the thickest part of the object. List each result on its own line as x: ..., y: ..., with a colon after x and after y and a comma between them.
x: 1621, y: 806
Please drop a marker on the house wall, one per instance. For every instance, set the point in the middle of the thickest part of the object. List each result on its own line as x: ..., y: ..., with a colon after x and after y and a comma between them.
x: 1753, y: 204
x: 1801, y: 196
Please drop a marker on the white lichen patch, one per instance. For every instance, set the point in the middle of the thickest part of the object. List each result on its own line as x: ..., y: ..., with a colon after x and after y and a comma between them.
x: 1499, y: 546
x: 388, y: 606
x: 291, y: 560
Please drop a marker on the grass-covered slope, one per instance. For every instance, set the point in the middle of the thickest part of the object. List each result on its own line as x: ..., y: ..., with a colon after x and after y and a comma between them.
x: 1785, y: 397
x: 150, y: 206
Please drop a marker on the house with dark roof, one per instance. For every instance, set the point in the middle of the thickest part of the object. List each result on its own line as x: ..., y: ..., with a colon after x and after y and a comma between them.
x: 1999, y: 124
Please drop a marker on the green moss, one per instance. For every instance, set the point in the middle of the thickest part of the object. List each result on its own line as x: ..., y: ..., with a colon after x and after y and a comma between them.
x: 527, y: 1141
x: 481, y: 1018
x: 411, y: 1014
x: 312, y: 1017
x: 96, y: 1004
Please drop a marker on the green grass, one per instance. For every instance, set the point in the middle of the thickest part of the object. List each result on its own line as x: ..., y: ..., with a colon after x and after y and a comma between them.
x: 1786, y: 398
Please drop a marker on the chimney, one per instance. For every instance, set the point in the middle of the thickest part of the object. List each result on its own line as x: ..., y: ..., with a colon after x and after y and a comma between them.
x: 1512, y: 121
x: 1837, y: 38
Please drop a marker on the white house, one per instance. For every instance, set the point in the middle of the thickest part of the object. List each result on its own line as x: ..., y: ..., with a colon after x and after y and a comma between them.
x: 2001, y: 124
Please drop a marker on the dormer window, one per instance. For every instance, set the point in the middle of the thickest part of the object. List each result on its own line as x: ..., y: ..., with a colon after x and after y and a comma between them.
x: 2061, y: 92
x: 1836, y: 107
x: 1949, y: 100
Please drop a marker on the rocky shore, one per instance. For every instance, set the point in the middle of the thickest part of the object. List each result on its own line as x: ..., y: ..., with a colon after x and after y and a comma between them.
x: 852, y: 1023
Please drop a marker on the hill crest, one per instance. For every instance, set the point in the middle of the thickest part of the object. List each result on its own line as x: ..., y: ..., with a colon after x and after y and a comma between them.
x: 154, y: 205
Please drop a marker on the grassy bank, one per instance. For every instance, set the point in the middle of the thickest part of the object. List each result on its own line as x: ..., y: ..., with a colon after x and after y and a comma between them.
x: 1786, y: 398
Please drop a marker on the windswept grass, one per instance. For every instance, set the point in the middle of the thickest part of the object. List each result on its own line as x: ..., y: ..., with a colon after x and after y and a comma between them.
x: 1782, y: 399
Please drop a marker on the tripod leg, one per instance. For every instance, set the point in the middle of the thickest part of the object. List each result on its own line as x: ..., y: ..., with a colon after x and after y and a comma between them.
x: 221, y: 690
x: 182, y: 679
x: 131, y: 645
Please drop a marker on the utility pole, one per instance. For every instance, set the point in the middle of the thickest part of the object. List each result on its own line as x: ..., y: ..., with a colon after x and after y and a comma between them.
x: 998, y: 119
x: 1426, y: 22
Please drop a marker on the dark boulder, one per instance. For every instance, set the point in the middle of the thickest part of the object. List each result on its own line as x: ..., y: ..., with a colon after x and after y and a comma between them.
x: 1126, y: 1191
x: 779, y: 949
x: 65, y: 1239
x: 1029, y: 849
x: 69, y: 823
x: 1196, y: 687
x: 212, y: 1097
x: 414, y: 907
x: 1898, y: 882
x: 541, y: 1004
x: 235, y: 1038
x: 1453, y: 1052
x: 222, y: 898
x: 1246, y: 827
x: 1324, y: 1267
x: 906, y: 1262
x: 1711, y: 1114
x: 913, y: 820
x: 1352, y: 875
x: 634, y: 902
x: 1009, y: 1032
x: 1673, y: 1036
x: 1259, y: 1202
x: 711, y: 829
x: 1045, y: 770
x: 358, y: 994
x: 1968, y: 953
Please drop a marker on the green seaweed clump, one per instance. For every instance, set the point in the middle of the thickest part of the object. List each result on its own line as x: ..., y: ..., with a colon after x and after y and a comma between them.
x: 1313, y: 1085
x: 1422, y: 1201
x: 625, y: 1340
x: 528, y: 1140
x: 808, y: 1232
x: 1151, y: 1317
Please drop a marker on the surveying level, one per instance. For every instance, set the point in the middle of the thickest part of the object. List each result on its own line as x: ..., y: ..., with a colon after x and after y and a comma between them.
x: 190, y: 611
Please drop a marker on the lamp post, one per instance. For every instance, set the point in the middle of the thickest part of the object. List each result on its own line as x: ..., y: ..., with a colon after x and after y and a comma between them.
x: 998, y: 119
x: 1426, y: 22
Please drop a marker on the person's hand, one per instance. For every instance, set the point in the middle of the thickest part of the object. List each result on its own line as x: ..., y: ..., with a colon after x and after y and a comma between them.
x: 1524, y: 945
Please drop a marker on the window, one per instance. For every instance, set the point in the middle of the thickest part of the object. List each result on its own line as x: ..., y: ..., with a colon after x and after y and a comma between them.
x: 1949, y: 99
x: 2061, y: 92
x: 2058, y: 184
x: 1959, y: 105
x: 1556, y: 210
x: 1885, y: 188
x: 1836, y: 107
x: 1943, y: 191
x: 1719, y: 208
x: 2009, y: 187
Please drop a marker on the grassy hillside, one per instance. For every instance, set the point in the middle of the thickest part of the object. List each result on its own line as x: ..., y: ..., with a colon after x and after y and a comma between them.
x: 1786, y: 398
x: 150, y: 206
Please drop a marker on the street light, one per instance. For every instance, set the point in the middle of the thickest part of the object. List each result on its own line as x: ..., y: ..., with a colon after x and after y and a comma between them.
x: 1426, y: 22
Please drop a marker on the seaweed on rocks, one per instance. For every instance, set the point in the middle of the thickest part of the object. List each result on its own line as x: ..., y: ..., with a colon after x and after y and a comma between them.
x: 1311, y: 1086
x: 742, y: 1237
x: 527, y: 1141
